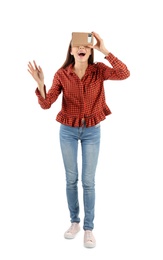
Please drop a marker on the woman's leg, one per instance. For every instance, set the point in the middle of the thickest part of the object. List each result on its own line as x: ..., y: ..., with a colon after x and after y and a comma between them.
x: 90, y: 141
x: 69, y: 149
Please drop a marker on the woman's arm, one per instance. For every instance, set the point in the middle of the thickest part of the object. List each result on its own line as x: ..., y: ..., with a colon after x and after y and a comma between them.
x: 38, y: 75
x: 119, y: 70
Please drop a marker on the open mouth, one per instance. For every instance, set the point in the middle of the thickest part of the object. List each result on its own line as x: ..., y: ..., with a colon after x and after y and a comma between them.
x: 81, y: 54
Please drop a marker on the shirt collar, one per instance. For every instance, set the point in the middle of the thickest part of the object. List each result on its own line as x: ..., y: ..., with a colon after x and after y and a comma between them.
x: 90, y: 69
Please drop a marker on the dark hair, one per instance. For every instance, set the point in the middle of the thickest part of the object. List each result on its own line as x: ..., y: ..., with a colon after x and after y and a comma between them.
x: 70, y: 58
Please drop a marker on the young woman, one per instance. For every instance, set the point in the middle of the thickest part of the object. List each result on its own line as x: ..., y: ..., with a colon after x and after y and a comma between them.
x: 80, y: 81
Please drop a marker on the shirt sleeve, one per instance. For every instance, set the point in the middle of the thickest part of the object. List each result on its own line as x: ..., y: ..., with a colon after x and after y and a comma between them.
x: 118, y: 71
x: 50, y: 96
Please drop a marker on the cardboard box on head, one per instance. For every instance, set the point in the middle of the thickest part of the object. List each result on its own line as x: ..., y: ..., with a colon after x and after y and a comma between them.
x: 81, y: 39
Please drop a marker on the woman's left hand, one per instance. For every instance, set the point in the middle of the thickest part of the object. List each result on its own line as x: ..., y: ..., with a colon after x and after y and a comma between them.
x: 100, y: 44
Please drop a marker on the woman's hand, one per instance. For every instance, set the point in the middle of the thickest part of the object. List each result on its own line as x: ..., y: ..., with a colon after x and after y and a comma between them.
x: 37, y: 74
x: 100, y: 44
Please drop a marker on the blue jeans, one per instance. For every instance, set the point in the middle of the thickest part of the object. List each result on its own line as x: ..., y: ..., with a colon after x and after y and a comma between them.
x: 90, y: 144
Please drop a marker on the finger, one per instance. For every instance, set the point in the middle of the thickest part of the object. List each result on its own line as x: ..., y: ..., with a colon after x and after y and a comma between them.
x: 97, y: 37
x: 95, y: 34
x: 30, y: 72
x: 91, y: 46
x: 30, y: 66
x: 40, y: 69
x: 35, y: 65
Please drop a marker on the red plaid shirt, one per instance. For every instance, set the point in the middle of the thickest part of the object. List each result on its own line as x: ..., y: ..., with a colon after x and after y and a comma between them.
x: 83, y: 98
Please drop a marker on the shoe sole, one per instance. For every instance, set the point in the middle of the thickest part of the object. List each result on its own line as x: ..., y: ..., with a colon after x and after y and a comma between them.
x: 89, y: 245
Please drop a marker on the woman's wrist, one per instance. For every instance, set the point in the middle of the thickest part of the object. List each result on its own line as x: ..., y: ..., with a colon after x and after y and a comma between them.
x: 41, y: 86
x: 105, y: 52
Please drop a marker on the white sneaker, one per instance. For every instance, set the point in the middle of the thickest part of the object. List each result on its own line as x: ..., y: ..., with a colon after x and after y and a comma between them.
x: 89, y: 239
x: 72, y: 231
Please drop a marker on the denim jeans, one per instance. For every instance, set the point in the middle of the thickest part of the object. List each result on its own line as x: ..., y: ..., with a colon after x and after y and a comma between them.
x: 89, y: 138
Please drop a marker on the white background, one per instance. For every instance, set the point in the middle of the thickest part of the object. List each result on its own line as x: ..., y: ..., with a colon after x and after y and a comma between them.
x: 33, y: 207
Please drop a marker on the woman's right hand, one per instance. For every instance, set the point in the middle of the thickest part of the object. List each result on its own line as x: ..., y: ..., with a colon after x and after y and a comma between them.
x: 37, y: 74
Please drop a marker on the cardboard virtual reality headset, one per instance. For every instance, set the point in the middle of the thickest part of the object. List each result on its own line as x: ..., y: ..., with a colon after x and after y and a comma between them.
x: 81, y: 39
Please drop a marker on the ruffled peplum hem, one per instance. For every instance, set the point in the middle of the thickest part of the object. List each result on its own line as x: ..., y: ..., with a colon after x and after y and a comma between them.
x: 89, y: 120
